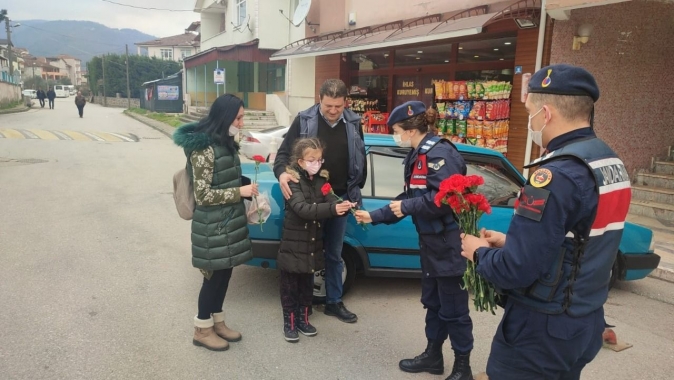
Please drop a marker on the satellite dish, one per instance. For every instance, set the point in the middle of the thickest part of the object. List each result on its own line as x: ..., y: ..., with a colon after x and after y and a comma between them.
x: 301, y: 12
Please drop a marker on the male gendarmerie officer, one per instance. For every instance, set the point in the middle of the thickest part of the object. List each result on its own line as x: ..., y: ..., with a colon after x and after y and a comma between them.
x: 430, y: 161
x: 554, y: 263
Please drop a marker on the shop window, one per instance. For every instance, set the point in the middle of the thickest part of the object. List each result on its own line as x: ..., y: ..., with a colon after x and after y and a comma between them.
x: 368, y: 93
x: 240, y: 12
x: 427, y: 55
x: 499, y: 49
x: 369, y: 60
x: 486, y: 75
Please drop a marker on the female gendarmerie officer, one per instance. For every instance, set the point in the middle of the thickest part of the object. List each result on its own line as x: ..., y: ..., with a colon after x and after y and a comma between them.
x: 431, y: 160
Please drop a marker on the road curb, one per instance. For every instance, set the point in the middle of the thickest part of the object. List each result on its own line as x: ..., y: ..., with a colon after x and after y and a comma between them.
x: 157, y: 125
x: 15, y: 110
x: 664, y: 274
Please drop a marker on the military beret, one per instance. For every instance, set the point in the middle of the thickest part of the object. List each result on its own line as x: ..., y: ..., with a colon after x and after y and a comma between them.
x: 564, y: 80
x: 405, y: 111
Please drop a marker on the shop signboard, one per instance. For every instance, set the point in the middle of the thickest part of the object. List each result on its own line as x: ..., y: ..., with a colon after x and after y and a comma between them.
x: 219, y: 76
x: 168, y: 92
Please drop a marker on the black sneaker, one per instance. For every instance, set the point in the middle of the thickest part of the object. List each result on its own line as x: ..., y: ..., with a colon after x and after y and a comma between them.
x: 303, y: 324
x: 340, y: 311
x: 289, y: 326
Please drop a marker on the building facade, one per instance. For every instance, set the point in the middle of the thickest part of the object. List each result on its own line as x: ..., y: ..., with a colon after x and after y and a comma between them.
x: 174, y: 48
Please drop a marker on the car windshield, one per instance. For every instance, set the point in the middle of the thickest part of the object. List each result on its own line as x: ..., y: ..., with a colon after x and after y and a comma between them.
x: 386, y: 170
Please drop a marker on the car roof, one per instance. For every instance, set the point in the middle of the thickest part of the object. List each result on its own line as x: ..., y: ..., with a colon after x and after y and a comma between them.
x: 377, y: 139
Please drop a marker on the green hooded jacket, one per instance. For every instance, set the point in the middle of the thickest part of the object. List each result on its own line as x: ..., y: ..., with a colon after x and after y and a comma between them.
x: 219, y: 225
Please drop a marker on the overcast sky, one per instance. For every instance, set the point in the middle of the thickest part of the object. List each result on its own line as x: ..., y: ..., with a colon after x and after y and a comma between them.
x: 154, y: 22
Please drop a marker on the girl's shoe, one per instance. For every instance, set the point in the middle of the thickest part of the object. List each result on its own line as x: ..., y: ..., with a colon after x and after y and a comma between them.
x: 303, y: 324
x: 290, y: 326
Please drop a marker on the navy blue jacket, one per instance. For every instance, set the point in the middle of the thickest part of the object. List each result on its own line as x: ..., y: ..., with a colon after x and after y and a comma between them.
x: 439, y: 242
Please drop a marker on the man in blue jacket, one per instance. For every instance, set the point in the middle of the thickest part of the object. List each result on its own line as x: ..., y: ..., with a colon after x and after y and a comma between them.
x: 344, y: 156
x: 554, y: 263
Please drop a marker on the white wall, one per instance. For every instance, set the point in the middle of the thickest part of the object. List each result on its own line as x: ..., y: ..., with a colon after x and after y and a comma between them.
x: 301, y: 79
x: 266, y: 24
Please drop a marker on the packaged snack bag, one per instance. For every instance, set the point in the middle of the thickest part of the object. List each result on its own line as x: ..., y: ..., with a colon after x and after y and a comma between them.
x: 479, y: 142
x: 451, y: 127
x: 478, y: 129
x: 439, y: 89
x: 470, y: 128
x: 455, y: 90
x: 441, y: 109
x: 488, y: 129
x: 491, y: 143
x: 461, y: 128
x: 470, y: 90
x: 463, y: 90
x: 479, y: 90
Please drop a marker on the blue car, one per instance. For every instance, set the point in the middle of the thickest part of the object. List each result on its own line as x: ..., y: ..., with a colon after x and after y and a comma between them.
x: 393, y: 250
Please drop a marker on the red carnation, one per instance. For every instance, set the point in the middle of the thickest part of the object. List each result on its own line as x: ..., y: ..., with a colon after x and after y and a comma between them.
x: 258, y: 158
x: 326, y: 189
x: 479, y: 202
x: 474, y: 180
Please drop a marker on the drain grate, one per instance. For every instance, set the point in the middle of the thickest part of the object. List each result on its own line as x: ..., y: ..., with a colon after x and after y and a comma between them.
x: 4, y: 161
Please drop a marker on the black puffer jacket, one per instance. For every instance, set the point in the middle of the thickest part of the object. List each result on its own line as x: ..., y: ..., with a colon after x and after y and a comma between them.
x: 301, y: 249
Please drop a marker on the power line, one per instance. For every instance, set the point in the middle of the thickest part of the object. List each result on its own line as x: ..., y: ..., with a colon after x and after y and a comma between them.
x: 149, y: 8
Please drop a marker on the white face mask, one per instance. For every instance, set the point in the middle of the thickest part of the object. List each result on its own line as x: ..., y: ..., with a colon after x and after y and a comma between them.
x: 536, y: 136
x: 313, y: 167
x: 398, y: 139
x: 233, y: 131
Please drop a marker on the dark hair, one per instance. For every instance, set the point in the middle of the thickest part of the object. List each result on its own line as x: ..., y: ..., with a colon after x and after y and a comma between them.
x: 333, y: 88
x: 422, y: 121
x: 570, y: 107
x: 221, y: 116
x: 303, y: 144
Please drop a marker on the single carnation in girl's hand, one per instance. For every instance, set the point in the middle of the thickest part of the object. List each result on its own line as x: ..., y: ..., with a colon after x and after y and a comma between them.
x: 326, y: 189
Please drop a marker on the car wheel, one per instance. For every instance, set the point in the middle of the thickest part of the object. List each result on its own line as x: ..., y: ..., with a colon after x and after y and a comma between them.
x: 615, y: 271
x: 348, y: 276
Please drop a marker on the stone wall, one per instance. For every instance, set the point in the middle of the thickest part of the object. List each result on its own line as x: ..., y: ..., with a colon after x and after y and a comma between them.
x: 9, y: 92
x: 629, y: 53
x: 117, y: 102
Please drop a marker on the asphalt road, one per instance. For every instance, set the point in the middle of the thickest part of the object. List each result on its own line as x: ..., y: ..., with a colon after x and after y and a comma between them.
x: 96, y: 280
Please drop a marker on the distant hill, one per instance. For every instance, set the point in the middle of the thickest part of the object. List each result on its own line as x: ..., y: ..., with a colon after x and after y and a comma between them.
x: 81, y: 39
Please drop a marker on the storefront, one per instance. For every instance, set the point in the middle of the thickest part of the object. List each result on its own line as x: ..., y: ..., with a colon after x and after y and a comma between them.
x: 473, y: 75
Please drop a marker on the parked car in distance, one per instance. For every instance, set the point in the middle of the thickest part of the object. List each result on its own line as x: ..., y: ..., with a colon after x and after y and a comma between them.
x: 255, y: 143
x: 29, y: 94
x: 393, y: 250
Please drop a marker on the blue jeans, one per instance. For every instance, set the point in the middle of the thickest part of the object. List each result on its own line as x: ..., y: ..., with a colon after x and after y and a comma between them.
x: 335, y: 228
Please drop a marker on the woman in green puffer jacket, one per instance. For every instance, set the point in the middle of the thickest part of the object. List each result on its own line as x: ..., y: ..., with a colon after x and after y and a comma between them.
x: 219, y: 225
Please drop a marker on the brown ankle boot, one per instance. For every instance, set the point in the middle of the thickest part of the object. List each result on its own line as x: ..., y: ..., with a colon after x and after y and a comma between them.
x: 222, y: 330
x: 205, y: 336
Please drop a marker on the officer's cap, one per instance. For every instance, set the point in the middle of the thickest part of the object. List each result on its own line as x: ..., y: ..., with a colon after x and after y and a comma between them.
x: 406, y: 111
x: 564, y: 80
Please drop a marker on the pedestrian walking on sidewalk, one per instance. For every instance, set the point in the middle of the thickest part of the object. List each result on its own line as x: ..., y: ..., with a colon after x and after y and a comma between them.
x: 301, y: 252
x: 80, y: 102
x: 51, y: 95
x: 219, y: 225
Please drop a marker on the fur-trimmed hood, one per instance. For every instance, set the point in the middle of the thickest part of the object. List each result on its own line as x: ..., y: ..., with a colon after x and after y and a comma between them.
x: 188, y: 139
x: 297, y: 172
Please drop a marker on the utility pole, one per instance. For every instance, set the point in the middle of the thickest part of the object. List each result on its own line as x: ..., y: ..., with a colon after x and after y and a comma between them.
x: 128, y: 88
x: 105, y: 98
x: 9, y: 46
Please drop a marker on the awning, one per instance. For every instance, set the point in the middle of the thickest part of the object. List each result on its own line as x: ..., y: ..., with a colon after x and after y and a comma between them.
x: 451, y: 28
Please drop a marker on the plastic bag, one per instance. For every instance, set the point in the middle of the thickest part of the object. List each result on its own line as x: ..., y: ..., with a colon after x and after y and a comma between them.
x: 263, y: 204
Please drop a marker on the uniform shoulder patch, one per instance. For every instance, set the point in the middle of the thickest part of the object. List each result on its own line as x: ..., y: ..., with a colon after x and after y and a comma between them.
x: 436, y: 165
x: 541, y: 178
x: 531, y: 202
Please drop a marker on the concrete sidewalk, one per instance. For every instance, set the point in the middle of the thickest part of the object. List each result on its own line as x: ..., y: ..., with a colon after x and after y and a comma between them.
x: 663, y: 234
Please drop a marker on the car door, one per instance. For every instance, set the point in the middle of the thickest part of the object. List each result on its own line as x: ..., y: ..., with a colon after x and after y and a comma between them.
x: 395, y: 247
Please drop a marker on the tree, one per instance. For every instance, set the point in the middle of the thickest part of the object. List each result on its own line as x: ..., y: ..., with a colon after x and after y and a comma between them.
x: 35, y: 83
x: 141, y: 70
x: 65, y: 81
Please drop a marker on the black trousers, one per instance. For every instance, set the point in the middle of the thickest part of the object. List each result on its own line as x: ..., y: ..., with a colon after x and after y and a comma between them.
x: 80, y: 109
x: 41, y: 102
x: 297, y: 289
x: 51, y: 103
x: 213, y: 292
x: 447, y: 312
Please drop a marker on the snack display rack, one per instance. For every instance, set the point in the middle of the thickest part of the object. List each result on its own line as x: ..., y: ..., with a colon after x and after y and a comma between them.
x: 375, y: 122
x: 476, y: 113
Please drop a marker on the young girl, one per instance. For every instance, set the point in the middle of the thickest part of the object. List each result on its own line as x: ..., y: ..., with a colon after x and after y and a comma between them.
x: 301, y: 251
